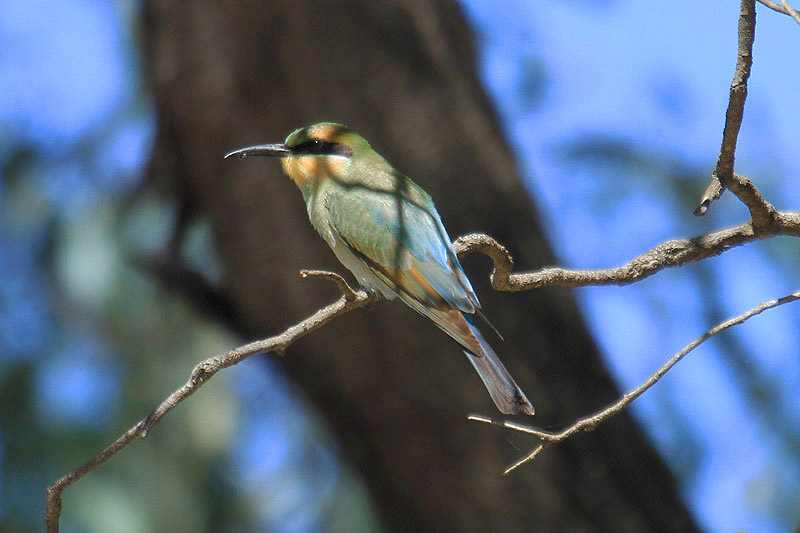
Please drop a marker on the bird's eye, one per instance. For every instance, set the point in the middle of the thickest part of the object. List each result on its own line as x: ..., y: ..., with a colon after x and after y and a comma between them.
x: 318, y: 146
x: 322, y: 147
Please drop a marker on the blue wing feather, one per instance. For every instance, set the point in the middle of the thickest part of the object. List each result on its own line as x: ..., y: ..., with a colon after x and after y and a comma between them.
x: 405, y: 246
x: 418, y: 229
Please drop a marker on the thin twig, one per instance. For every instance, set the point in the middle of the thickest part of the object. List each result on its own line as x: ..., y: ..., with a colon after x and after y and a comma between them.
x: 789, y: 10
x: 722, y: 176
x: 783, y: 7
x: 349, y: 293
x: 591, y: 422
x: 203, y: 372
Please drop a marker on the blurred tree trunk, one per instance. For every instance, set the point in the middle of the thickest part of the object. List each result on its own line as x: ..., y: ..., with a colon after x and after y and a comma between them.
x: 392, y: 386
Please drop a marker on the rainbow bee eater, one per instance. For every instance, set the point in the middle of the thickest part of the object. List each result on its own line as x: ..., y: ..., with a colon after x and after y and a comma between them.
x: 385, y: 229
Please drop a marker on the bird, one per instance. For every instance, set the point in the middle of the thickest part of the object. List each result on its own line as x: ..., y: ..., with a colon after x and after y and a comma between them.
x: 386, y: 230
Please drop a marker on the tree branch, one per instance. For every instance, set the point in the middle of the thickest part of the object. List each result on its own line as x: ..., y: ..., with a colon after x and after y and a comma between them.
x: 723, y: 177
x: 783, y: 7
x: 674, y: 253
x: 589, y: 423
x: 790, y: 11
x: 350, y: 299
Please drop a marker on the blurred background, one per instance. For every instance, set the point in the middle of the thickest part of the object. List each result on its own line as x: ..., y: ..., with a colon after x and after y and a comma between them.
x: 613, y: 110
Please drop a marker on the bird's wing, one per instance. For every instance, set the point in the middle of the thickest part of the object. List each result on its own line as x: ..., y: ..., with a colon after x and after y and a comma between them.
x: 405, y: 245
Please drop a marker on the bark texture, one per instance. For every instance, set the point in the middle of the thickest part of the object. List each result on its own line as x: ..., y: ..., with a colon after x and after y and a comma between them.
x: 392, y: 386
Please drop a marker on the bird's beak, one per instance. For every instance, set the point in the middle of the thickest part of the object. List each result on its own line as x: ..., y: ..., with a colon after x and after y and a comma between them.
x: 263, y: 150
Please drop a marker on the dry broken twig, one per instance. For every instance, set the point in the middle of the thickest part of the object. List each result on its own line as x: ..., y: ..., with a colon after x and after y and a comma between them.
x: 723, y: 176
x: 591, y: 422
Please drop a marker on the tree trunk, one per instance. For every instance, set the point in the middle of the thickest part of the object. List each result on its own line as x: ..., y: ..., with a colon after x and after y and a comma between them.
x: 393, y: 387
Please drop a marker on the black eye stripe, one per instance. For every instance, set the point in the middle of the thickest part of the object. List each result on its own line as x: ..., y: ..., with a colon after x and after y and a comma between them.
x: 321, y: 147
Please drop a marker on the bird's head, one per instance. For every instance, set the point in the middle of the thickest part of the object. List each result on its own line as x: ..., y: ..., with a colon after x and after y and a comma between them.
x: 313, y: 153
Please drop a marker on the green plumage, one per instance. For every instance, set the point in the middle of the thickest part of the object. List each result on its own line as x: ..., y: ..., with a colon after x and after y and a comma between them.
x: 386, y: 230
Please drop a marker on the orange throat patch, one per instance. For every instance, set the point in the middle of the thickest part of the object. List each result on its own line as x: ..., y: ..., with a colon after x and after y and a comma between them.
x: 304, y: 170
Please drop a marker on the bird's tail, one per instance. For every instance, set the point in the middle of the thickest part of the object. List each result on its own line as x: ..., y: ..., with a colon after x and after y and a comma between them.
x: 505, y: 393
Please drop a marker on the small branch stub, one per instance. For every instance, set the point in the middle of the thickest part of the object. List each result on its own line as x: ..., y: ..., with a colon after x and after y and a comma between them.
x: 722, y: 177
x: 349, y: 293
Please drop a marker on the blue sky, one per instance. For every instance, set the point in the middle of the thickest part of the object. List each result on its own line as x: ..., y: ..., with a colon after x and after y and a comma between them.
x: 649, y: 76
